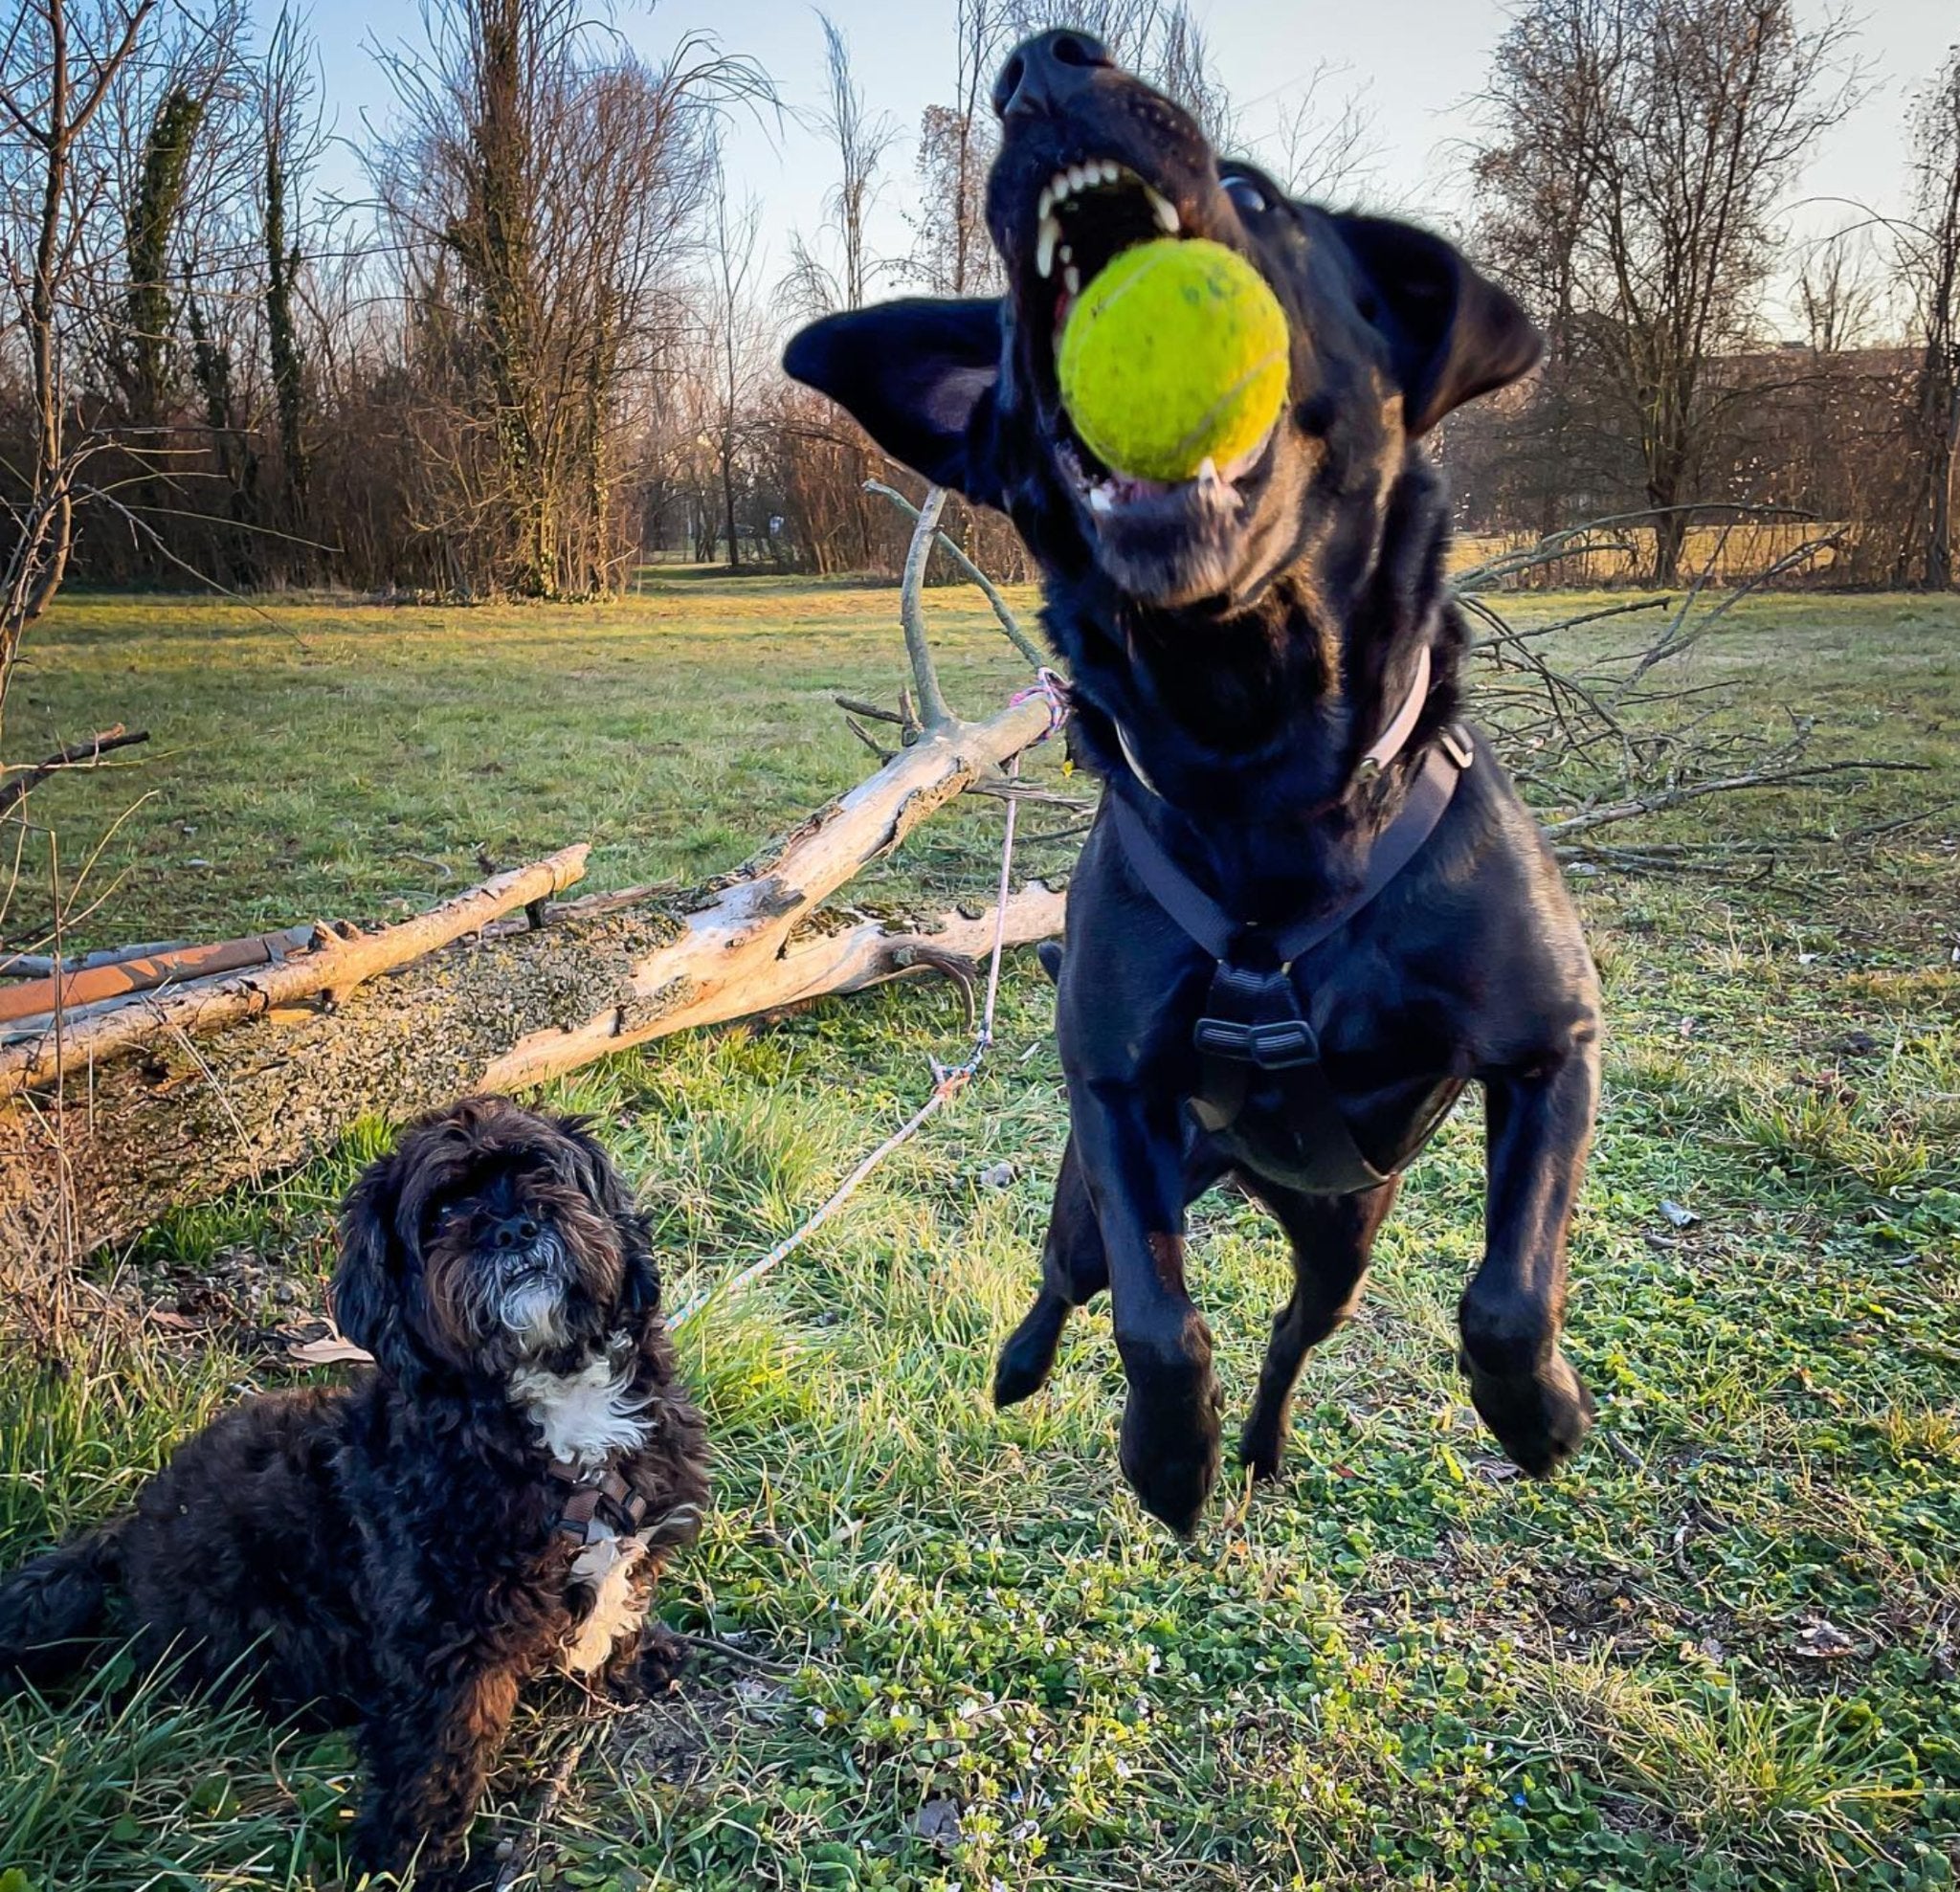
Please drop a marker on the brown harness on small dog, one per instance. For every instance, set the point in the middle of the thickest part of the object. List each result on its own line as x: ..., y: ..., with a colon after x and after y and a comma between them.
x: 1254, y: 1020
x: 599, y: 1502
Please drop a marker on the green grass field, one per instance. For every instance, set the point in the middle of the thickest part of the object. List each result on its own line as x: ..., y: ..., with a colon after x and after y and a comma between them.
x: 1720, y: 1652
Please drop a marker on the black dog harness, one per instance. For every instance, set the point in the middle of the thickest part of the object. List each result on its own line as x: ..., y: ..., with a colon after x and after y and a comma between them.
x: 1252, y: 1022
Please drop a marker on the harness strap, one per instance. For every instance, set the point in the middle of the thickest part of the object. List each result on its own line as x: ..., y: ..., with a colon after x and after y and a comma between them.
x: 1223, y: 936
x: 597, y: 1501
x: 1253, y: 1017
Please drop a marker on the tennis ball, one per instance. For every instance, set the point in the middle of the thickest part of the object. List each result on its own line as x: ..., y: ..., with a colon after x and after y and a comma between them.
x: 1175, y: 353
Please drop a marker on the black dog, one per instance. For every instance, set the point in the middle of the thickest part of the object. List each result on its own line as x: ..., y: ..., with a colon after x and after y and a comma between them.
x: 1265, y: 673
x: 495, y: 1498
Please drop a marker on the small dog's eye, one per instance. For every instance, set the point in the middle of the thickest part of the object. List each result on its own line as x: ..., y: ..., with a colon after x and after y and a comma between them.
x: 1244, y: 192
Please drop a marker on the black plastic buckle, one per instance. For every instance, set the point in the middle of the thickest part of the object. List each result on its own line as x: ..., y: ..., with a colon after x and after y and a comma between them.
x: 1273, y: 1044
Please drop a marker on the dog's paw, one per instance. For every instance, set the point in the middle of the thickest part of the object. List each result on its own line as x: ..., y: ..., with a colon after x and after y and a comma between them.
x: 1028, y: 1352
x: 1170, y: 1443
x: 647, y: 1669
x: 1259, y: 1450
x: 1539, y: 1418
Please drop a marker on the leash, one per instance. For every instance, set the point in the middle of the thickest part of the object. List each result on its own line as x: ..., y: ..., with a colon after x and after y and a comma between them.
x: 948, y: 1081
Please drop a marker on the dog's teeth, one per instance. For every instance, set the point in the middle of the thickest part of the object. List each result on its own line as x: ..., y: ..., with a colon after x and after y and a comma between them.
x: 1044, y: 245
x: 1101, y: 497
x: 1078, y: 178
x: 1163, y: 210
x: 1072, y: 277
x: 1059, y: 184
x: 1111, y: 170
x: 1068, y: 256
x: 1047, y: 203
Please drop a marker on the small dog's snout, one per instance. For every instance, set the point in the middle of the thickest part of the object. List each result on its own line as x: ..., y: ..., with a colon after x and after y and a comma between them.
x: 517, y: 1231
x: 1046, y: 73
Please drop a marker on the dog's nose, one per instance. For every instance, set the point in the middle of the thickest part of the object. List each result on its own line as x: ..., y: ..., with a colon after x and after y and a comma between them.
x: 1047, y: 73
x: 517, y: 1231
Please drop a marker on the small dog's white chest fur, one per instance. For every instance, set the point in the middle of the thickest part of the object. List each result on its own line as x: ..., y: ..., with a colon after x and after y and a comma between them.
x: 587, y: 1415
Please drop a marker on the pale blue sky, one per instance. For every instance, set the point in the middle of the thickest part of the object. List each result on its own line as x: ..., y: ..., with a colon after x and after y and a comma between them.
x: 1418, y: 64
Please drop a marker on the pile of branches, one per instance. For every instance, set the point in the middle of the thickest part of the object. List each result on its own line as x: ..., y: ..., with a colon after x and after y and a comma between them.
x: 1626, y: 732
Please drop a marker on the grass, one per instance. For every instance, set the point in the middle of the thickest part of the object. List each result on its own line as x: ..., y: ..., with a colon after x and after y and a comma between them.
x: 1719, y: 1653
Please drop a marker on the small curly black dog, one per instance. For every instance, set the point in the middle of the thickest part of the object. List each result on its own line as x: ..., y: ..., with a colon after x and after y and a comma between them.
x: 493, y: 1501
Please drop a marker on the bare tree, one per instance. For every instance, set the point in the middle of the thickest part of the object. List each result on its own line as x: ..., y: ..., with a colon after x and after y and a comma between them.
x: 58, y: 66
x: 951, y: 254
x: 1322, y: 149
x: 861, y: 140
x: 1639, y: 149
x: 290, y: 130
x: 733, y: 263
x: 1837, y: 294
x: 1929, y: 260
x: 543, y: 187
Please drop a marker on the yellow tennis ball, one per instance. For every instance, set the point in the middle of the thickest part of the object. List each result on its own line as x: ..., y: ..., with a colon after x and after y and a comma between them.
x: 1175, y: 353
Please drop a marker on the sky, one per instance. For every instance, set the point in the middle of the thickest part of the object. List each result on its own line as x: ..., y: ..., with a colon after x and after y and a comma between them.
x: 1415, y: 64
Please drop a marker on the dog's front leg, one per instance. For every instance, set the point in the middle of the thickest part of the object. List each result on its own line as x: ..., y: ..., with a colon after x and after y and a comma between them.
x: 428, y: 1755
x: 1129, y: 1140
x: 1539, y: 1125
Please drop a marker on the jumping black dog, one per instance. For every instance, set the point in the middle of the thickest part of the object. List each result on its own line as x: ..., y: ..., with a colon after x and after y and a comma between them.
x: 1312, y: 908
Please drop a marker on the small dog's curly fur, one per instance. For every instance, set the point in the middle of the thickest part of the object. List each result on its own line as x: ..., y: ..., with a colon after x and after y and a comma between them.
x: 400, y: 1553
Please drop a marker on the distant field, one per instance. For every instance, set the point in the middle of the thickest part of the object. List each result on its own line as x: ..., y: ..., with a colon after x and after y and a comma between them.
x: 1719, y: 1655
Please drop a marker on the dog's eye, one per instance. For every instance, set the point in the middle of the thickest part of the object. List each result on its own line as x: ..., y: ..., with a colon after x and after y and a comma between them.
x: 1243, y: 191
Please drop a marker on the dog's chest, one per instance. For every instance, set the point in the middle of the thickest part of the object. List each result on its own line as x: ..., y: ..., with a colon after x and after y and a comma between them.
x: 585, y: 1419
x: 609, y: 1569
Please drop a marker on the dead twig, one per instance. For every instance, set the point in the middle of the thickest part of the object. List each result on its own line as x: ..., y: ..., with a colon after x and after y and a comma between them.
x: 77, y: 755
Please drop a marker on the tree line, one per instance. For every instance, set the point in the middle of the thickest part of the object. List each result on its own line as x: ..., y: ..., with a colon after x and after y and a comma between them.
x: 538, y: 347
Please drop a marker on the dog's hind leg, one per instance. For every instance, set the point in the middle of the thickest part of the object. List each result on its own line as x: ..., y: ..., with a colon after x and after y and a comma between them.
x: 1075, y: 1269
x: 1332, y: 1238
x: 52, y: 1608
x: 1537, y: 1126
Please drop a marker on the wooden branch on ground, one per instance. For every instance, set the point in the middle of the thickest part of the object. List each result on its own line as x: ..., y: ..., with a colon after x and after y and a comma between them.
x: 126, y: 974
x: 333, y: 969
x: 45, y: 965
x: 77, y: 755
x: 1721, y: 785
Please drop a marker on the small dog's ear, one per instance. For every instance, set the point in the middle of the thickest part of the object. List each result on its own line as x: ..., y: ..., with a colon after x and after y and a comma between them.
x: 918, y: 375
x: 1452, y: 333
x: 600, y: 1178
x: 368, y: 1287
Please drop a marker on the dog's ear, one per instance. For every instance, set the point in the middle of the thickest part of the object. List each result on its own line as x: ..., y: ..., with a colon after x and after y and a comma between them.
x: 1452, y: 333
x: 600, y: 1178
x: 369, y: 1284
x: 918, y: 375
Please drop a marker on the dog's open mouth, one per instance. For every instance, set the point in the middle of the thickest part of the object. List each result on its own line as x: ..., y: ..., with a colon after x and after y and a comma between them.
x: 1086, y: 215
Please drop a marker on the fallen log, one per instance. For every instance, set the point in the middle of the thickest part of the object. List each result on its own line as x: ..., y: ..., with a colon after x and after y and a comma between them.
x: 45, y: 965
x: 333, y: 969
x: 122, y: 976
